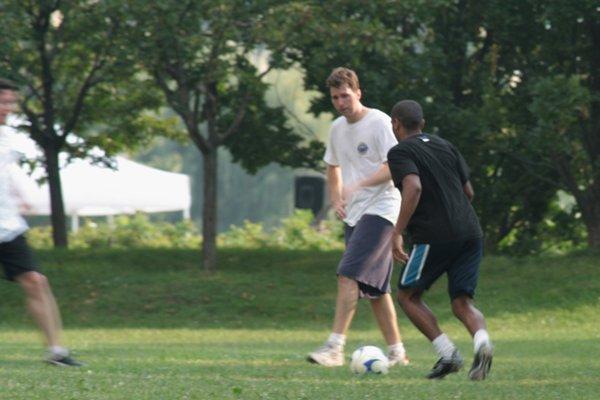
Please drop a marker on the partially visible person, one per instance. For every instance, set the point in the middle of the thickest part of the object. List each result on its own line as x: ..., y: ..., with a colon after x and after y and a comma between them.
x: 15, y: 255
x: 436, y: 210
x: 359, y: 141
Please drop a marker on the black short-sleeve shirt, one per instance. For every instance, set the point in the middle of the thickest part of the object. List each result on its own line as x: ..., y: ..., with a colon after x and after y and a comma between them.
x: 444, y: 212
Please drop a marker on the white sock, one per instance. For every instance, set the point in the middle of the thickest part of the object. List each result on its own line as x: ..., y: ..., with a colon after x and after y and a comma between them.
x: 443, y: 346
x: 336, y: 339
x: 480, y: 338
x: 58, y: 351
x: 397, y: 348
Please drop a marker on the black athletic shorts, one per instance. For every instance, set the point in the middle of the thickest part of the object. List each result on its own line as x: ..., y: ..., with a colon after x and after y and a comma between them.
x: 16, y: 258
x: 459, y: 259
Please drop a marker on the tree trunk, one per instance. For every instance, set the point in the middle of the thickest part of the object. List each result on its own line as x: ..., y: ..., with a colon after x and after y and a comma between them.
x: 57, y: 207
x: 590, y: 212
x: 593, y: 230
x: 209, y: 211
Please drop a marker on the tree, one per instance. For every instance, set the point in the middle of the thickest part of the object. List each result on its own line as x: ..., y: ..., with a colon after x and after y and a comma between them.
x: 541, y: 57
x: 523, y: 73
x: 77, y: 93
x: 558, y: 111
x: 432, y: 52
x: 209, y: 59
x: 490, y: 76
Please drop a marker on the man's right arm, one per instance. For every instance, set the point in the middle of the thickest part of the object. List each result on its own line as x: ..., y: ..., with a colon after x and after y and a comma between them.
x: 411, y: 194
x: 334, y: 184
x: 468, y: 189
x: 15, y: 192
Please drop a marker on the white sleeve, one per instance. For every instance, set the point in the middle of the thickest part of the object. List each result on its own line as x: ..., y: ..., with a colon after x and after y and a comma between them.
x: 385, y: 138
x: 330, y: 152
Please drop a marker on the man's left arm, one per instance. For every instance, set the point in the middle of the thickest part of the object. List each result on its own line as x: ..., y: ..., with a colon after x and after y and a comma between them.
x: 464, y: 173
x: 382, y: 175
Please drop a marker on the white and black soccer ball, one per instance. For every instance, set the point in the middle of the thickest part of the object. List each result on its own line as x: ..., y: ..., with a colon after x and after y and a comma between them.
x: 369, y: 359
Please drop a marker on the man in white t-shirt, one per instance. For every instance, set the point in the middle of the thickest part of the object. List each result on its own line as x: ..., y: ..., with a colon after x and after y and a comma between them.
x: 15, y: 255
x: 357, y: 149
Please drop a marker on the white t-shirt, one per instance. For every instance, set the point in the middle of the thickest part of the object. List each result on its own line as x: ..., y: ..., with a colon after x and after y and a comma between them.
x: 11, y: 222
x: 359, y: 149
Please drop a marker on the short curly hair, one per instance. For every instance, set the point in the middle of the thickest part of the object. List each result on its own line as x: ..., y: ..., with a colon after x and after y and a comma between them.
x: 343, y: 76
x: 409, y: 113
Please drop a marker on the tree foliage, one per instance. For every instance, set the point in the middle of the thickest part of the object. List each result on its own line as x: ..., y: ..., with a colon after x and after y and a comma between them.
x: 209, y: 59
x: 511, y: 83
x: 79, y: 88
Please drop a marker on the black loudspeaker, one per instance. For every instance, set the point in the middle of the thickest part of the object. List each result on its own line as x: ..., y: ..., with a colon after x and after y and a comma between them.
x: 310, y: 193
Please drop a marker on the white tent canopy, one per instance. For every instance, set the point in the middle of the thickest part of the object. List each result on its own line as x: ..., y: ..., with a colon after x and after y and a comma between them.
x: 93, y: 190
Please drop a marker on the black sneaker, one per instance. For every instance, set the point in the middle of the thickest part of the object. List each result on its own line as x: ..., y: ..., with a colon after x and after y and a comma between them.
x: 65, y: 361
x: 481, y: 363
x: 445, y: 366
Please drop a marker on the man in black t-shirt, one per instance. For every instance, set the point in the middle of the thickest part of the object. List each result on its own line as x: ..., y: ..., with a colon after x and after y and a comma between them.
x: 436, y: 210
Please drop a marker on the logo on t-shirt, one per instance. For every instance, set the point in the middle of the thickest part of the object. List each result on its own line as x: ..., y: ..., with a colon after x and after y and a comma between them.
x: 362, y: 148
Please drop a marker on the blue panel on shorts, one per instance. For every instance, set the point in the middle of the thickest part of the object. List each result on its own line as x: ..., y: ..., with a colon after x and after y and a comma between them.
x: 412, y: 269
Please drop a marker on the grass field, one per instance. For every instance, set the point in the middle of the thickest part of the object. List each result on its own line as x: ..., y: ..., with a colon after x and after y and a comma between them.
x: 150, y: 325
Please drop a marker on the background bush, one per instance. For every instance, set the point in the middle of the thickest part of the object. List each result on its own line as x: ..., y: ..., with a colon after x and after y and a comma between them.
x: 297, y: 232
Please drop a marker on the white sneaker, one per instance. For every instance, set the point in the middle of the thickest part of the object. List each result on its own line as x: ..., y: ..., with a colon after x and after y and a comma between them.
x: 328, y: 355
x: 397, y: 357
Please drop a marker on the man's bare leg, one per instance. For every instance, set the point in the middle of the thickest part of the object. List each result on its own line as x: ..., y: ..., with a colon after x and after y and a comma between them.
x: 345, y: 305
x: 332, y: 353
x: 44, y: 310
x: 42, y: 305
x: 417, y: 311
x: 464, y: 309
x: 385, y: 314
x: 421, y: 316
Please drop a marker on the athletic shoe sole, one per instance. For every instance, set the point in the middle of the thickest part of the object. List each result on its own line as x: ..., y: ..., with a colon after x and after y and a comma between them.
x: 326, y: 362
x: 441, y: 375
x: 443, y: 367
x: 63, y: 364
x: 481, y: 364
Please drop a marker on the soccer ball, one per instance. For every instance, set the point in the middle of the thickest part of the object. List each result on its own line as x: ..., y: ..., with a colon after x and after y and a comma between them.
x: 367, y: 359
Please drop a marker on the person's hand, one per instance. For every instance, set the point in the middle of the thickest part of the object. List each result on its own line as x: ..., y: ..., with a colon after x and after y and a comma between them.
x: 24, y: 207
x: 398, y: 248
x: 339, y: 206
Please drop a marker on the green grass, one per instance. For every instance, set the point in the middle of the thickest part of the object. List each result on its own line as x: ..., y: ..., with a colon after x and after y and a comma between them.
x: 151, y: 325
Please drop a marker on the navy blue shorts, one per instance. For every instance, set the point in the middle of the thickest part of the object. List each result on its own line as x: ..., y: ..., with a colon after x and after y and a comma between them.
x: 368, y: 256
x: 459, y: 259
x: 16, y: 258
